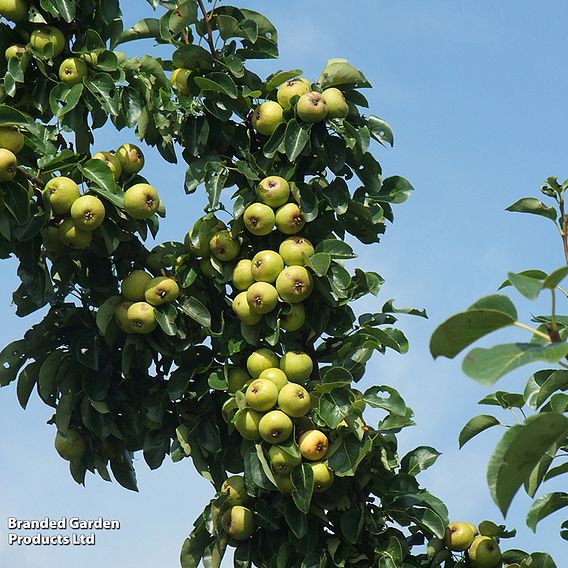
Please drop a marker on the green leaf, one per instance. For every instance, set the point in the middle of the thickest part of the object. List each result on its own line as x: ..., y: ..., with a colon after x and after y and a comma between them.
x: 532, y: 273
x: 554, y: 278
x: 64, y: 9
x: 335, y: 248
x: 538, y: 560
x: 340, y: 72
x: 295, y: 138
x: 335, y: 406
x: 123, y: 471
x: 105, y: 313
x: 380, y: 130
x: 419, y: 459
x: 527, y: 286
x: 544, y: 506
x: 280, y: 77
x: 533, y: 206
x: 320, y: 263
x: 303, y: 480
x: 103, y: 88
x: 194, y: 546
x: 518, y: 452
x: 64, y: 99
x: 543, y: 384
x: 488, y: 365
x: 393, y: 404
x: 346, y: 453
x: 27, y: 380
x: 196, y: 311
x: 166, y: 317
x: 12, y: 358
x: 475, y: 426
x: 218, y: 83
x: 146, y: 28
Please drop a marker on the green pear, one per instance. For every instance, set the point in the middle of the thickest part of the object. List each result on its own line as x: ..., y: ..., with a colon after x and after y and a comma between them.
x: 198, y: 238
x: 161, y: 290
x: 236, y: 379
x: 131, y: 159
x: 242, y: 274
x: 297, y: 365
x: 266, y: 266
x: 16, y: 51
x: 61, y: 193
x: 72, y: 71
x: 142, y: 318
x: 71, y: 446
x: 267, y: 117
x: 141, y: 200
x: 262, y: 297
x: 11, y: 138
x: 121, y: 317
x: 179, y: 79
x: 51, y: 242
x: 234, y: 488
x: 274, y: 375
x: 275, y: 427
x: 73, y: 237
x: 289, y: 219
x: 294, y: 319
x: 229, y: 409
x: 224, y: 246
x: 8, y: 165
x: 134, y: 285
x: 48, y: 39
x: 260, y: 360
x: 337, y: 106
x: 292, y: 88
x: 294, y: 284
x: 484, y: 552
x: 247, y: 423
x: 87, y: 212
x: 14, y: 10
x: 238, y: 523
x: 323, y: 477
x: 313, y: 445
x: 284, y: 483
x: 273, y: 191
x: 261, y: 395
x: 294, y: 400
x: 259, y: 219
x: 311, y: 107
x: 282, y: 462
x: 296, y: 250
x: 243, y: 310
x: 459, y: 536
x: 111, y: 161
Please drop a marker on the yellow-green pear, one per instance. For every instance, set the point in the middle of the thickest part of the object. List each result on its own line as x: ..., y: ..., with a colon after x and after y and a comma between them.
x: 247, y: 424
x: 266, y: 117
x: 142, y: 317
x: 337, y: 106
x: 224, y: 246
x: 134, y: 285
x: 294, y: 319
x: 61, y: 193
x: 296, y: 250
x: 323, y: 477
x: 72, y: 71
x: 121, y: 316
x: 111, y: 161
x: 14, y: 10
x: 11, y: 138
x: 262, y: 297
x: 313, y: 445
x: 260, y: 360
x: 289, y: 219
x: 297, y: 366
x: 244, y: 311
x: 234, y: 488
x: 161, y: 290
x: 274, y: 375
x: 294, y: 284
x: 294, y: 400
x: 71, y: 445
x: 459, y: 536
x: 87, y: 212
x: 8, y: 165
x: 178, y: 81
x: 484, y: 552
x: 48, y: 37
x: 238, y: 523
x: 311, y: 107
x: 292, y: 88
x: 275, y: 427
x: 273, y: 191
x: 242, y: 274
x: 259, y: 219
x: 266, y: 266
x: 282, y: 462
x: 141, y: 200
x: 131, y: 159
x: 236, y: 379
x: 73, y: 237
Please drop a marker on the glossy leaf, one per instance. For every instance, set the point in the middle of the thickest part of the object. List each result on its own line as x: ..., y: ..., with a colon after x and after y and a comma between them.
x: 475, y: 426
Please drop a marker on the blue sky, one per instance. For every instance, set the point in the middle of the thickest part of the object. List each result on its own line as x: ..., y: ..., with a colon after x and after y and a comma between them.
x: 476, y: 95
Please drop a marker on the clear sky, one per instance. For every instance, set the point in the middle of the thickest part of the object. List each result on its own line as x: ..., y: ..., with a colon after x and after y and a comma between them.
x: 476, y: 95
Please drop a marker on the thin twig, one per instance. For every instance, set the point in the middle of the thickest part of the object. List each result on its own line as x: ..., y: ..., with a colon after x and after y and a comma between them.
x: 35, y: 180
x: 564, y: 231
x: 210, y: 40
x: 532, y: 330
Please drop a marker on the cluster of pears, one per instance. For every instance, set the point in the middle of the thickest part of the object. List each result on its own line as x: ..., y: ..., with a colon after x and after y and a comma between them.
x: 480, y: 543
x: 308, y: 105
x: 270, y: 404
x: 11, y: 142
x: 142, y: 293
x: 237, y: 520
x: 270, y: 276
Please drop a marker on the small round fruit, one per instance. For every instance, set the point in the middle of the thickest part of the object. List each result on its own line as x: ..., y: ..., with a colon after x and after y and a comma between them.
x: 111, y: 161
x: 15, y: 51
x: 51, y: 242
x: 238, y: 523
x: 337, y: 106
x: 311, y: 107
x: 141, y: 200
x: 259, y: 219
x: 14, y: 10
x: 247, y: 424
x: 224, y: 246
x: 262, y: 395
x: 275, y: 427
x: 243, y: 311
x: 484, y: 552
x: 48, y: 37
x: 267, y: 117
x: 134, y: 285
x: 292, y: 88
x: 262, y: 297
x: 294, y: 400
x: 276, y: 376
x: 71, y: 446
x: 293, y: 320
x: 266, y: 266
x: 234, y: 488
x: 260, y: 360
x: 273, y: 191
x: 72, y: 71
x: 178, y: 81
x: 73, y: 237
x: 87, y: 212
x: 323, y: 477
x: 11, y: 138
x: 131, y: 159
x: 296, y: 250
x: 142, y: 318
x: 298, y: 366
x: 8, y: 165
x: 294, y: 284
x: 281, y: 461
x: 284, y: 484
x: 121, y: 317
x: 161, y: 290
x: 61, y: 193
x: 289, y: 219
x: 459, y: 536
x: 237, y: 379
x: 313, y: 445
x: 242, y: 274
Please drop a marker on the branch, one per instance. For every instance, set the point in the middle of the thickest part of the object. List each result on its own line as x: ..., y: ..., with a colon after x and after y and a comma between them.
x: 209, y: 29
x: 35, y: 180
x: 564, y: 231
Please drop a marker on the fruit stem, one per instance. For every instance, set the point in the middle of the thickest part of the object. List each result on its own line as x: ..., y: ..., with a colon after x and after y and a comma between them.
x: 532, y: 330
x: 209, y: 28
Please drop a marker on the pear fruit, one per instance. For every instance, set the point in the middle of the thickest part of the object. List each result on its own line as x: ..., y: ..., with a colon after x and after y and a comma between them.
x: 87, y: 212
x: 297, y: 365
x: 459, y: 536
x: 121, y: 317
x: 238, y: 523
x: 199, y: 237
x: 259, y: 219
x: 61, y: 193
x: 51, y: 242
x: 275, y: 376
x: 161, y: 290
x: 72, y: 71
x: 294, y: 319
x: 111, y: 161
x: 296, y: 250
x: 273, y: 191
x: 141, y: 200
x: 294, y: 400
x: 282, y: 462
x: 73, y: 237
x: 247, y: 424
x: 48, y: 39
x: 236, y: 379
x: 224, y: 246
x: 284, y: 484
x: 242, y: 274
x: 11, y: 138
x: 178, y: 81
x: 8, y: 165
x: 142, y: 318
x: 313, y: 445
x: 260, y: 360
x: 484, y: 552
x: 323, y: 477
x: 337, y: 106
x: 131, y: 159
x: 229, y: 409
x: 262, y: 297
x: 311, y: 107
x: 71, y: 446
x: 261, y: 395
x: 134, y: 285
x: 275, y: 427
x: 243, y: 310
x: 266, y: 117
x: 294, y: 284
x: 14, y: 10
x: 292, y: 88
x: 289, y: 219
x: 15, y: 51
x: 234, y: 488
x: 266, y: 266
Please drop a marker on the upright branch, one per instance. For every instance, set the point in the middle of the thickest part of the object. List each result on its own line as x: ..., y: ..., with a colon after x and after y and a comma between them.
x: 564, y: 229
x: 207, y: 17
